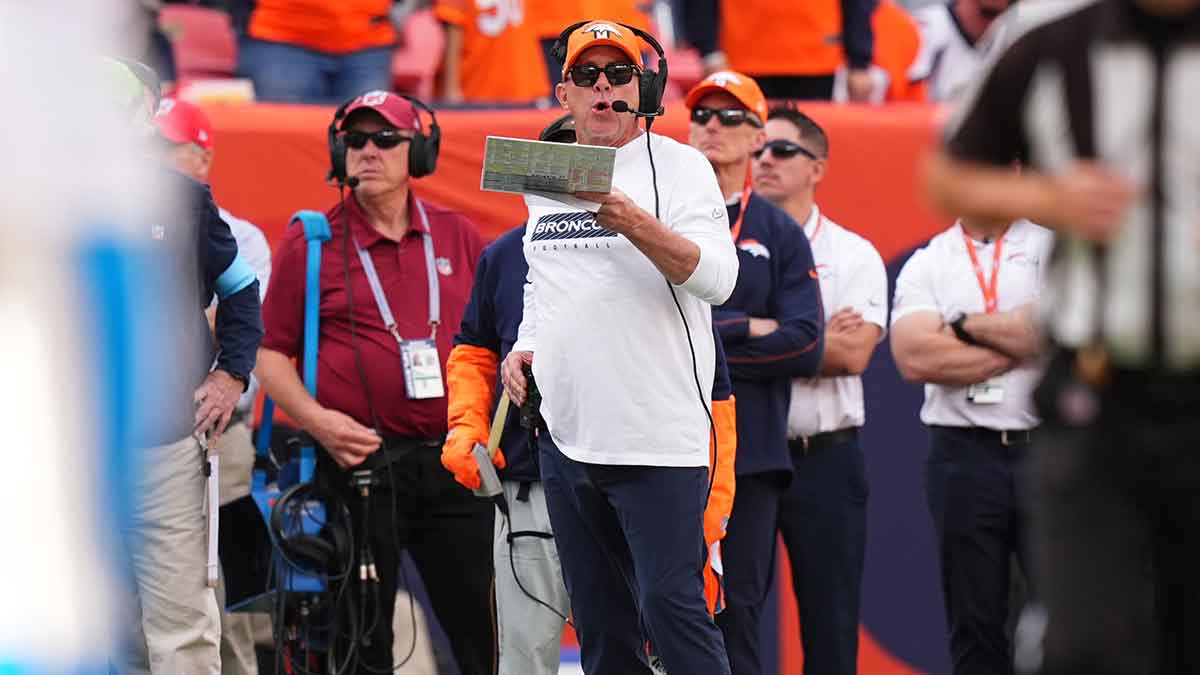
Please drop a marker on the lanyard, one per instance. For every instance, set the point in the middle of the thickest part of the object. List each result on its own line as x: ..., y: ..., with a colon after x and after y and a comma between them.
x: 385, y: 310
x: 817, y: 230
x: 745, y: 199
x: 990, y: 289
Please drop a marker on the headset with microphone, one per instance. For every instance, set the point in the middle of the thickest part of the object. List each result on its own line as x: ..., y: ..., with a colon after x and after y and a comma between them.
x: 422, y: 150
x: 652, y: 84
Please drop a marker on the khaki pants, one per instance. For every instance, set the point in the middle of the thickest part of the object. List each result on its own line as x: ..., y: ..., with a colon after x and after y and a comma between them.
x: 530, y: 633
x: 173, y: 613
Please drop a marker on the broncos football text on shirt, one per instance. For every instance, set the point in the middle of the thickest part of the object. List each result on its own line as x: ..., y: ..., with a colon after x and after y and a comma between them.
x: 611, y: 354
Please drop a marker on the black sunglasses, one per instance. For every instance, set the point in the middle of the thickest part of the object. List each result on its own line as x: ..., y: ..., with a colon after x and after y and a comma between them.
x: 384, y: 140
x: 728, y: 117
x: 783, y: 149
x: 617, y: 74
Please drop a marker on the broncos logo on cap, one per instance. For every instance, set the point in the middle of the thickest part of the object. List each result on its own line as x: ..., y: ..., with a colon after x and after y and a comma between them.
x: 601, y: 31
x: 724, y: 79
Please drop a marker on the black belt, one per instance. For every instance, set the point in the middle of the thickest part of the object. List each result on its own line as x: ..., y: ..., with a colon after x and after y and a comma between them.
x: 394, y: 448
x: 806, y: 444
x: 1006, y: 437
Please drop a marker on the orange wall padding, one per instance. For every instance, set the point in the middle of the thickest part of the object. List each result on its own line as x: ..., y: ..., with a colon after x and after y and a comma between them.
x: 271, y: 161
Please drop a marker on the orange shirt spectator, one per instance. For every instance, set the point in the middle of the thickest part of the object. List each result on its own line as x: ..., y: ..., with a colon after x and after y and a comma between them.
x: 332, y: 27
x: 791, y: 48
x: 897, y: 47
x: 492, y: 52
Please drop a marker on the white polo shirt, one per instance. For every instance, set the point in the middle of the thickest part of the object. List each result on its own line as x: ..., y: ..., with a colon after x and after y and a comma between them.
x: 852, y: 275
x: 941, y: 278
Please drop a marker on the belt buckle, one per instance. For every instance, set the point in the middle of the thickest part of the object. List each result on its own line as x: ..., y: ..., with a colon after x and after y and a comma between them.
x: 804, y: 442
x: 1004, y: 440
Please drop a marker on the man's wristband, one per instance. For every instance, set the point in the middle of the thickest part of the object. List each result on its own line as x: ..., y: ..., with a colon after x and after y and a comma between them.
x: 960, y: 332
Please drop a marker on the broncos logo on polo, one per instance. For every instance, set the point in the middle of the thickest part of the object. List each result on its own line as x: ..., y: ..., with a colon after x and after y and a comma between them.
x: 754, y: 248
x: 602, y: 31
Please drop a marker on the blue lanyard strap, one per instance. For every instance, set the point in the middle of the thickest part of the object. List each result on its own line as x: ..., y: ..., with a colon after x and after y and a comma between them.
x: 385, y: 310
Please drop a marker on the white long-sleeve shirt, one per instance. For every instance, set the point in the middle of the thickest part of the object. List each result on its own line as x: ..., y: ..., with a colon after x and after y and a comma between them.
x: 611, y: 355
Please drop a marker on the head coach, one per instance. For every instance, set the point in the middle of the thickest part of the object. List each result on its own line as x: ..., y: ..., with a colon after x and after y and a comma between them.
x: 617, y: 312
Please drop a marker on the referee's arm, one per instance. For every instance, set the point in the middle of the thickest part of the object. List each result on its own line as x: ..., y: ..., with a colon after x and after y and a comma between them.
x: 973, y: 175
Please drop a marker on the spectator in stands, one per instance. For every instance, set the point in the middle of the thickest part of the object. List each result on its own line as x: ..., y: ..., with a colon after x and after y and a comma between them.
x: 492, y: 55
x: 176, y: 628
x: 381, y: 404
x: 823, y: 515
x: 316, y: 51
x: 792, y: 49
x: 953, y: 47
x: 897, y: 44
x: 771, y: 327
x: 188, y: 133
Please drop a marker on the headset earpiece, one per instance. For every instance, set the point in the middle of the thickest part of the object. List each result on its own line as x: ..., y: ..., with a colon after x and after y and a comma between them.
x: 337, y: 147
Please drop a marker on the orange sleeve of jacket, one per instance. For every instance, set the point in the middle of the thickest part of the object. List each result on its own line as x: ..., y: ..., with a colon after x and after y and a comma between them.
x: 720, y: 500
x: 471, y: 388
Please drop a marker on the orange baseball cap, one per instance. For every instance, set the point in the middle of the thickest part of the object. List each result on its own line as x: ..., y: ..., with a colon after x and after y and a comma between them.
x: 602, y: 32
x: 182, y: 122
x: 742, y: 87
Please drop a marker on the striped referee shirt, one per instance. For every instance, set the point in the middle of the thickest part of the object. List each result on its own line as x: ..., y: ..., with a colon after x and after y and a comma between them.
x: 1103, y: 80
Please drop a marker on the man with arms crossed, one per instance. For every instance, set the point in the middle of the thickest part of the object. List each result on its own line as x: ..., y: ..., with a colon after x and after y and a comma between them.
x: 962, y: 324
x: 823, y: 515
x: 617, y: 313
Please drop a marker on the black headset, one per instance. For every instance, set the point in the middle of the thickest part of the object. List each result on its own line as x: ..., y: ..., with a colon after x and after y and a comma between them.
x: 422, y: 150
x: 651, y: 84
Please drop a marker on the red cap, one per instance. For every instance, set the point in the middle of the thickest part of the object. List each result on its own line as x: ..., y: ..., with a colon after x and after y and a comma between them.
x: 396, y: 109
x: 181, y: 122
x: 742, y: 87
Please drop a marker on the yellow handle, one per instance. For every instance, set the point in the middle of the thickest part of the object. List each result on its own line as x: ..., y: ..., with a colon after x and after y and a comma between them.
x: 498, y: 425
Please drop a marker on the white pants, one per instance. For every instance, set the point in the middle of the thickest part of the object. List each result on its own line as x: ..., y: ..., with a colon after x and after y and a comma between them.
x: 530, y: 634
x: 174, y: 616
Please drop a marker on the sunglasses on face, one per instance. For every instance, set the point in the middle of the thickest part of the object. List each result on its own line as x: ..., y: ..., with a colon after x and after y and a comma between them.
x: 782, y: 149
x: 617, y: 74
x: 384, y: 140
x: 728, y: 117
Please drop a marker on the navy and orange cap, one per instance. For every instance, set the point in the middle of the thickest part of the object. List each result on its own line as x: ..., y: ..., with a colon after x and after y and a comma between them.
x: 602, y: 32
x: 742, y: 87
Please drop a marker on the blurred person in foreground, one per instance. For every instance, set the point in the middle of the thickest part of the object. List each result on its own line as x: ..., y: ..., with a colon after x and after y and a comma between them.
x: 771, y: 327
x: 1097, y: 100
x: 617, y: 329
x: 823, y: 515
x: 189, y: 144
x: 177, y: 625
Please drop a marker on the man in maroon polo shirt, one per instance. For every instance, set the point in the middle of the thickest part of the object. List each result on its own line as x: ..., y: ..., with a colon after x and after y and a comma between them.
x: 372, y: 413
